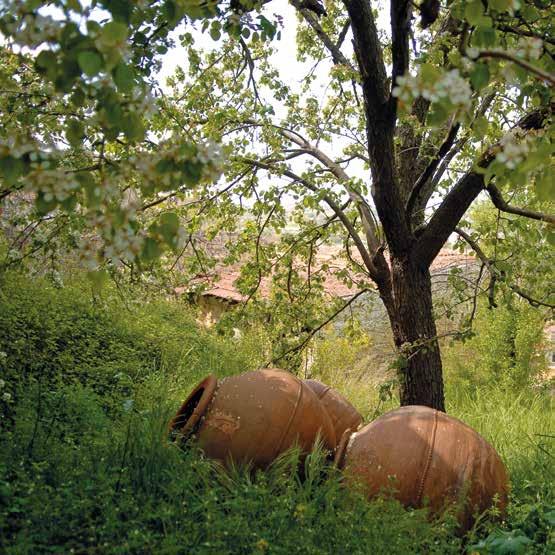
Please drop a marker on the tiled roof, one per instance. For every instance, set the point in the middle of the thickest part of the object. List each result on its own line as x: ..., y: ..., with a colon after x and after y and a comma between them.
x: 222, y: 283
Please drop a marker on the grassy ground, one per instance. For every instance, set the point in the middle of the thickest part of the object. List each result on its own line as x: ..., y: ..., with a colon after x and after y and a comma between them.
x: 85, y: 467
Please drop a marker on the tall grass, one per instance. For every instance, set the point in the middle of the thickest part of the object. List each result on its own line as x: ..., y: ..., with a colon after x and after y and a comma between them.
x: 88, y: 469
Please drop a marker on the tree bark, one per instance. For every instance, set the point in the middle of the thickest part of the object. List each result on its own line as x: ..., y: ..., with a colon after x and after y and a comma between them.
x: 412, y: 320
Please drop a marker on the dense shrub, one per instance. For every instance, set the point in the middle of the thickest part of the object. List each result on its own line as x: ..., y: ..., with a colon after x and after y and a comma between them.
x: 59, y: 335
x: 506, y: 349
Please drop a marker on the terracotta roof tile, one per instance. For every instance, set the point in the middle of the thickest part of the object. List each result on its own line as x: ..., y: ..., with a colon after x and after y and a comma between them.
x: 222, y: 283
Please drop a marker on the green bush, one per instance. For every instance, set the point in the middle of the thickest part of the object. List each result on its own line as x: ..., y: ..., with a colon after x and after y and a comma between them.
x: 506, y: 349
x: 52, y: 336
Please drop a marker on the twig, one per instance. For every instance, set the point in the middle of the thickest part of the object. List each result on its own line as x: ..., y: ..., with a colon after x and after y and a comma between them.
x: 314, y: 331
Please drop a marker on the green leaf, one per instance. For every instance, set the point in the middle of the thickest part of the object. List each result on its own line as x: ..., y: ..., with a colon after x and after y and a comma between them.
x: 151, y: 250
x: 479, y: 77
x: 267, y: 26
x: 545, y: 186
x: 480, y: 127
x: 133, y: 127
x: 75, y: 132
x: 97, y: 278
x: 44, y: 206
x: 169, y: 226
x: 46, y: 64
x: 473, y: 12
x: 215, y: 30
x: 429, y: 73
x: 11, y: 169
x: 124, y: 78
x: 438, y: 115
x: 500, y: 5
x: 90, y: 62
x: 514, y: 542
x: 114, y: 33
x: 484, y: 35
x: 87, y: 181
x: 78, y: 97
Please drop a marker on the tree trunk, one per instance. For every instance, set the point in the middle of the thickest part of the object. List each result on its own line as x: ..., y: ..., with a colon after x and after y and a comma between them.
x: 414, y: 331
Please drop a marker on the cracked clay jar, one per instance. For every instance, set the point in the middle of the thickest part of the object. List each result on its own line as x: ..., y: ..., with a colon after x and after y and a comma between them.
x: 426, y: 458
x: 253, y: 417
x: 342, y: 414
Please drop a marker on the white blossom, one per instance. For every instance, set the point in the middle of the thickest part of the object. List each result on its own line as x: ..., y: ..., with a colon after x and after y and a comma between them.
x: 450, y: 86
x: 530, y: 48
x: 515, y: 147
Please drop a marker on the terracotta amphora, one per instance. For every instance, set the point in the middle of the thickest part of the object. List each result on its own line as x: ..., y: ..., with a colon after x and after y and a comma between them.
x: 253, y: 417
x: 343, y: 415
x: 426, y: 458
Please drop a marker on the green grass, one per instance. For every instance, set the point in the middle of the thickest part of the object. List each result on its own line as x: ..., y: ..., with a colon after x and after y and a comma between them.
x: 86, y: 468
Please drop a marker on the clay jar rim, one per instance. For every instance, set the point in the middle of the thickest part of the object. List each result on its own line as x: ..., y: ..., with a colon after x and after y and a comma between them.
x: 341, y: 448
x: 208, y: 387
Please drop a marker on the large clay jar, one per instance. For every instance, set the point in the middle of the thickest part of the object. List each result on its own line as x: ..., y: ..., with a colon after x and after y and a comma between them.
x: 343, y: 415
x: 253, y: 417
x: 426, y: 458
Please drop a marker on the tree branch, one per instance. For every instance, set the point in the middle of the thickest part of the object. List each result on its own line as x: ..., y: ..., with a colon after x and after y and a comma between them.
x: 431, y: 168
x: 461, y: 196
x: 343, y: 34
x: 540, y: 73
x: 313, y: 332
x: 337, y: 56
x: 497, y: 274
x: 457, y: 147
x: 500, y: 204
x: 380, y: 125
x: 368, y: 261
x: 367, y: 217
x: 400, y: 14
x: 525, y: 33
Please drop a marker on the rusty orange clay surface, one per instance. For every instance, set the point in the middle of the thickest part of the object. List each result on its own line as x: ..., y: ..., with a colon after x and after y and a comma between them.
x: 343, y: 415
x: 425, y: 457
x: 253, y: 417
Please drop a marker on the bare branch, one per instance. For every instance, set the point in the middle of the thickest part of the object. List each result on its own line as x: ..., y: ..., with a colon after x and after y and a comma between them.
x: 250, y: 62
x: 367, y: 217
x: 368, y: 261
x: 343, y: 34
x: 430, y: 168
x: 459, y: 145
x: 500, y: 204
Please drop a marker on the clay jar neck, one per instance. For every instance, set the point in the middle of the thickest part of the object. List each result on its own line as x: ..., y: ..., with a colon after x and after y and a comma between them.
x: 187, y: 420
x: 341, y: 449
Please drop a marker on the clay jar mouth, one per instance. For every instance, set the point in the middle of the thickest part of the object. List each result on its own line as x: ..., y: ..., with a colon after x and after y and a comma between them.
x: 187, y: 419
